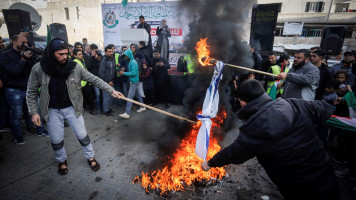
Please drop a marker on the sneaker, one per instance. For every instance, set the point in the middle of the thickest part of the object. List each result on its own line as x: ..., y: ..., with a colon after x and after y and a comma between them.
x: 44, y: 134
x: 107, y: 114
x: 141, y: 109
x: 19, y: 141
x: 125, y: 115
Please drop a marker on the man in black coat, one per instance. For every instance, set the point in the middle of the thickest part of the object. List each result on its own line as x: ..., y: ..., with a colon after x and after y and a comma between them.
x: 282, y: 136
x: 143, y: 49
x: 16, y: 65
x: 316, y: 57
x: 147, y: 27
x: 160, y: 68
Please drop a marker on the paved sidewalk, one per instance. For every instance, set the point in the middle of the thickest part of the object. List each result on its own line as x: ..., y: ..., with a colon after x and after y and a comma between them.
x: 30, y: 171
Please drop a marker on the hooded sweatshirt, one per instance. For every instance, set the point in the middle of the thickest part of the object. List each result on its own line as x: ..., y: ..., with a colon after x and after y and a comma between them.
x: 133, y: 72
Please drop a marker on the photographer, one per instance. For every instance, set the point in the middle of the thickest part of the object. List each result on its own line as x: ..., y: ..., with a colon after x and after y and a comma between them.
x: 15, y: 66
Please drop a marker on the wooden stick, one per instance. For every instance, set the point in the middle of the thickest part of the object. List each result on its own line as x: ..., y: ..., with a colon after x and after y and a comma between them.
x: 158, y: 110
x: 212, y: 61
x: 252, y: 70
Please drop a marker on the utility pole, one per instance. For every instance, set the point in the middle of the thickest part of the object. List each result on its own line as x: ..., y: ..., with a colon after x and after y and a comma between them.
x: 327, y: 19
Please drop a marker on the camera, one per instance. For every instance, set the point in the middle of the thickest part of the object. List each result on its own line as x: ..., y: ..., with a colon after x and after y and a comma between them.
x: 98, y: 53
x: 34, y: 51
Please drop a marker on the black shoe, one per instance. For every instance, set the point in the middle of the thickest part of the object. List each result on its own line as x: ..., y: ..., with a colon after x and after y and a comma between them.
x: 93, y: 111
x: 110, y: 111
x: 107, y: 114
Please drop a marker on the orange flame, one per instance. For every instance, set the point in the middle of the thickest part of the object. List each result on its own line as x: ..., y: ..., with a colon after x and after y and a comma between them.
x: 203, y: 50
x: 185, y: 165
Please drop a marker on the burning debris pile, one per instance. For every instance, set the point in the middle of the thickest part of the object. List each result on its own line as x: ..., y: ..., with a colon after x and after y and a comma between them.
x: 223, y: 22
x: 184, y: 167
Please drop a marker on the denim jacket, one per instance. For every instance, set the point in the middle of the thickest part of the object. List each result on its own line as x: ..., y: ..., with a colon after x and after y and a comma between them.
x: 38, y: 79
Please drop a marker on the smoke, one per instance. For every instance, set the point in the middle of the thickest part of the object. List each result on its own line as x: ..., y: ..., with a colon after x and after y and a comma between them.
x: 224, y: 23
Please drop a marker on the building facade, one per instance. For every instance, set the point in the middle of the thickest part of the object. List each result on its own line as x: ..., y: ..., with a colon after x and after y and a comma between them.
x: 83, y: 18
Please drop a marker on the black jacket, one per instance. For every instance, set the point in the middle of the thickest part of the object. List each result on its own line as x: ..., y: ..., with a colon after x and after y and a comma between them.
x: 325, y: 80
x: 14, y: 71
x: 93, y: 65
x: 147, y: 54
x: 160, y: 73
x: 281, y: 135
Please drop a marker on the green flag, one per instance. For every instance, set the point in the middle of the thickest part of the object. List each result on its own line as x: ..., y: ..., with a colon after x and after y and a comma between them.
x: 49, y: 37
x: 124, y: 2
x: 273, y: 92
x: 351, y: 103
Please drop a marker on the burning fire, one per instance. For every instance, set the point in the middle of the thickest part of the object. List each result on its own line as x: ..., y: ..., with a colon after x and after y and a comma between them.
x: 203, y: 50
x: 185, y: 165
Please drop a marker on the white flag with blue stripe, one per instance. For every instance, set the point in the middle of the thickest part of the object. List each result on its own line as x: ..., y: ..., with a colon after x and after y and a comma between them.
x: 210, y: 109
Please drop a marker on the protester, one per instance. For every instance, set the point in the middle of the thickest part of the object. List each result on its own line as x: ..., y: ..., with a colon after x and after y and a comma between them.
x: 274, y: 68
x: 15, y: 66
x: 59, y: 101
x: 147, y: 27
x: 123, y: 80
x: 346, y: 65
x: 257, y: 60
x: 87, y: 89
x: 85, y: 43
x: 143, y: 49
x: 148, y: 87
x: 70, y: 55
x: 160, y: 68
x: 302, y: 80
x: 107, y: 72
x: 140, y: 58
x: 290, y: 152
x: 133, y: 74
x: 284, y: 63
x: 93, y: 67
x: 2, y: 45
x: 316, y: 58
x: 163, y: 33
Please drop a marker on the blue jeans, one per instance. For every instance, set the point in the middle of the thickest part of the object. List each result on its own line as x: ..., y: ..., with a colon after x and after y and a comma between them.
x: 55, y: 127
x: 16, y: 99
x: 97, y: 99
x: 133, y: 91
x: 107, y: 101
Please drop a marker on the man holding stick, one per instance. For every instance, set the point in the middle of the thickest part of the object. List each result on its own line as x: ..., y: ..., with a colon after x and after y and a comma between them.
x: 61, y: 99
x: 282, y: 136
x: 302, y: 80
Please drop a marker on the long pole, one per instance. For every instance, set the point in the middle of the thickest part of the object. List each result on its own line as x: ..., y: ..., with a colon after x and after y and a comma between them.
x: 252, y: 70
x: 213, y: 61
x: 158, y: 110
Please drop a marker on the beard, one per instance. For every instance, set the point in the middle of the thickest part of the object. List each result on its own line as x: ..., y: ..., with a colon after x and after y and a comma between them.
x: 297, y: 66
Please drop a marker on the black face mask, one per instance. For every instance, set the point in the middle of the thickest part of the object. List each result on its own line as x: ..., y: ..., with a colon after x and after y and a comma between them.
x: 299, y: 65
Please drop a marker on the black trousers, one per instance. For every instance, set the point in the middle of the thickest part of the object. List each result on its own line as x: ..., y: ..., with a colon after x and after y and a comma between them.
x: 89, y: 96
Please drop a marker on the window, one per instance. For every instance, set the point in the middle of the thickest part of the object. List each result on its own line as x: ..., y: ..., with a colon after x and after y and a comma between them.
x: 342, y: 7
x: 67, y: 13
x: 315, y: 6
x: 78, y: 15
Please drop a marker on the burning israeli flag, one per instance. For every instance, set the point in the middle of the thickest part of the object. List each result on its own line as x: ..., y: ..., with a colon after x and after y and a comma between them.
x: 210, y: 109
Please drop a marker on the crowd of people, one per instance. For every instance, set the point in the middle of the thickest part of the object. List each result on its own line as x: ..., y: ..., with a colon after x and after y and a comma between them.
x: 69, y: 78
x: 54, y: 88
x: 310, y: 78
